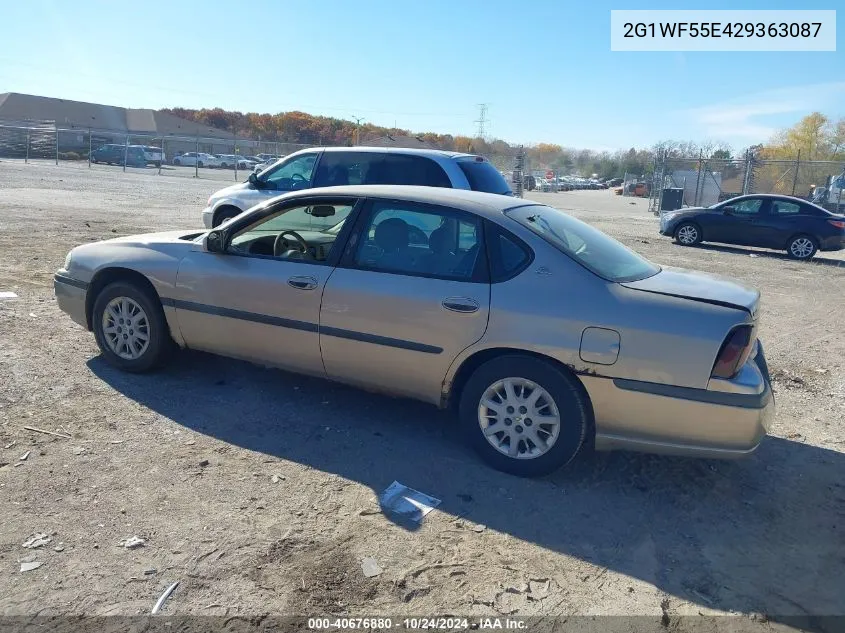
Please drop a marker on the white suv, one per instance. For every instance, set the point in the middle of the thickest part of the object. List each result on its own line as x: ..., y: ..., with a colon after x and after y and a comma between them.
x: 336, y: 166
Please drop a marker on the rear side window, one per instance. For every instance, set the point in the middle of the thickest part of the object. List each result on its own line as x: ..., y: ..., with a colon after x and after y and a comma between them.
x: 508, y: 255
x: 405, y: 169
x: 782, y: 207
x: 482, y: 176
x: 336, y: 169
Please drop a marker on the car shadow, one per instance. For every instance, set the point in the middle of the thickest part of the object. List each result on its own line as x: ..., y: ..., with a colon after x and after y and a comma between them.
x: 739, y: 250
x: 764, y: 534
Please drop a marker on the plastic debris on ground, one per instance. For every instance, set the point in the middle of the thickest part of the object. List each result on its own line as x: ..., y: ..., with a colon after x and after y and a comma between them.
x: 370, y: 567
x: 406, y: 503
x: 7, y: 295
x: 36, y: 540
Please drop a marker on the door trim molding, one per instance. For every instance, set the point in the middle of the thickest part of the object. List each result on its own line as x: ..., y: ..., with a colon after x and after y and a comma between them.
x: 267, y: 319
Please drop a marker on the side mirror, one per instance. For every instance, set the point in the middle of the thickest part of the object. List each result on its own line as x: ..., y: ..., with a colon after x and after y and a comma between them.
x: 728, y: 210
x: 253, y: 180
x: 215, y: 242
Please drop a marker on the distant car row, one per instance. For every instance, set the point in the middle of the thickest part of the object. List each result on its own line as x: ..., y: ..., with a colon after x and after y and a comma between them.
x: 143, y: 155
x: 564, y: 183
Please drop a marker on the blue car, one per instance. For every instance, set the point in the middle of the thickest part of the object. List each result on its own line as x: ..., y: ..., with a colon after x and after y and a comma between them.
x: 769, y: 221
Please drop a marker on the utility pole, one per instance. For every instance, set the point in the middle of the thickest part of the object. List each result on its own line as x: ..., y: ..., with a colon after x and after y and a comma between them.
x: 357, y: 120
x: 481, y: 120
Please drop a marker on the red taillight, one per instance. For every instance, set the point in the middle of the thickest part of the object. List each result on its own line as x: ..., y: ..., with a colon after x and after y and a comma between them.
x: 734, y: 352
x: 839, y: 224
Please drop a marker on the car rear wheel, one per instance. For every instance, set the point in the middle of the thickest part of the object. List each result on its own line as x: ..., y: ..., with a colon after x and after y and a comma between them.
x: 688, y: 234
x: 130, y: 327
x: 802, y: 247
x: 177, y: 162
x: 199, y: 163
x: 523, y: 415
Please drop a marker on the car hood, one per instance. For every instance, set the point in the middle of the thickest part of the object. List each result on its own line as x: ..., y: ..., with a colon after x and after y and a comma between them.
x: 162, y: 237
x: 698, y: 286
x: 230, y: 190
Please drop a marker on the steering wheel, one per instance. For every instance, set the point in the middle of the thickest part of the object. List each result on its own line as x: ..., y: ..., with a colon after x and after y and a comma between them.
x: 297, y: 178
x: 303, y: 245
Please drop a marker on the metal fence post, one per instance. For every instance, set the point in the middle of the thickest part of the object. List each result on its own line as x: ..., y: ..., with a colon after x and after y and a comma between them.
x: 163, y: 155
x: 26, y: 160
x: 697, y: 180
x: 237, y: 158
x: 89, y: 148
x: 197, y: 158
x: 795, y: 177
x: 57, y: 146
x: 125, y: 151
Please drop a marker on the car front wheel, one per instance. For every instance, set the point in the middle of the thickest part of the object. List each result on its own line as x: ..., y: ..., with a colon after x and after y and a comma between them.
x: 130, y: 327
x: 802, y: 247
x: 523, y: 415
x: 688, y: 234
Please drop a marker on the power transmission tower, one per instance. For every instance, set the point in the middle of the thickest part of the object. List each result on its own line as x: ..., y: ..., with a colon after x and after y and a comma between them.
x: 482, y: 119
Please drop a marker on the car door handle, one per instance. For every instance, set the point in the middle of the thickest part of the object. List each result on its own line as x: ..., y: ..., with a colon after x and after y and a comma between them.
x: 303, y: 283
x: 460, y: 304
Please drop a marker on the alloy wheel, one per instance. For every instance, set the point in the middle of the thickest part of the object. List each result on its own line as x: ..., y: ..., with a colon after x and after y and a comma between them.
x: 801, y: 247
x: 687, y: 234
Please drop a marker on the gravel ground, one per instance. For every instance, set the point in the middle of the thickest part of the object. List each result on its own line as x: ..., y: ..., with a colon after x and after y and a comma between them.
x: 256, y: 488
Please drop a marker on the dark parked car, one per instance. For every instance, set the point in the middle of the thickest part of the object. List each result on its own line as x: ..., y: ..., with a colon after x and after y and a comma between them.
x: 113, y: 154
x: 769, y: 221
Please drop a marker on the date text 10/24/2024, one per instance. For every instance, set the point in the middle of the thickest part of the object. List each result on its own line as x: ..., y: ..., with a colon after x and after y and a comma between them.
x: 418, y: 623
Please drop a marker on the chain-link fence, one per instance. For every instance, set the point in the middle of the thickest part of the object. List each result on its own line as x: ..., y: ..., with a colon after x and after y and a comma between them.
x: 189, y: 156
x: 701, y: 182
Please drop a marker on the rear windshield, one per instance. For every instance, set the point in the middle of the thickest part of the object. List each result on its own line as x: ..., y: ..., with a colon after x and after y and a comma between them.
x: 482, y: 176
x: 588, y: 246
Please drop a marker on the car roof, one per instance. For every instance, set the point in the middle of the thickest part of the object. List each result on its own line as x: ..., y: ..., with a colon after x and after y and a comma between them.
x: 484, y: 204
x: 396, y: 150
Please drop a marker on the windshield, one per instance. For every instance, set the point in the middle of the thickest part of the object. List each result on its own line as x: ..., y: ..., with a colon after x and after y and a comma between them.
x: 588, y: 246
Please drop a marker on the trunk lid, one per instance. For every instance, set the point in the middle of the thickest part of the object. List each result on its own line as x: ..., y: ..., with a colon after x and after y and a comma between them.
x: 698, y: 286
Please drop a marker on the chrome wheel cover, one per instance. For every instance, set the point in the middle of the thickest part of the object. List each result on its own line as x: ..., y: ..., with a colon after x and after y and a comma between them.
x: 519, y: 418
x: 126, y: 328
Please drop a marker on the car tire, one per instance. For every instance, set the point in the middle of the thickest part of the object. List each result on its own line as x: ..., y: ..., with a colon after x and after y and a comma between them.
x: 157, y: 163
x: 223, y: 214
x: 133, y: 355
x: 199, y: 163
x: 177, y: 162
x: 561, y: 394
x: 688, y: 234
x: 802, y: 247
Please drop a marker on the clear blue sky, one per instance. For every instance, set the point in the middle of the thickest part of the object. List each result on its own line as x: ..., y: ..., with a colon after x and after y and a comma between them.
x: 545, y: 67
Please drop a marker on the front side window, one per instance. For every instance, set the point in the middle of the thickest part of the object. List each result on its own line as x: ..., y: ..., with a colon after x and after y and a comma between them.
x: 292, y: 175
x: 420, y: 240
x: 585, y: 244
x: 749, y: 206
x: 305, y: 232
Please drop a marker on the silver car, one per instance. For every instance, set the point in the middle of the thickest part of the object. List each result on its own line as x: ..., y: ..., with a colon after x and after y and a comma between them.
x: 543, y: 333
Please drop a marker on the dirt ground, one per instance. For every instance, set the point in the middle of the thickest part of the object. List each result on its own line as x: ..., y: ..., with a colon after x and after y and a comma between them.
x: 256, y: 489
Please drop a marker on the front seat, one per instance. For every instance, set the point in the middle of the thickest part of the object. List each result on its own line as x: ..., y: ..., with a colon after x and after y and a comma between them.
x: 392, y: 237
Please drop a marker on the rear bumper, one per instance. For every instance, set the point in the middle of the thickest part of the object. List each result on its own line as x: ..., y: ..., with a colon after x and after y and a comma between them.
x: 832, y: 243
x: 641, y: 416
x: 70, y: 295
